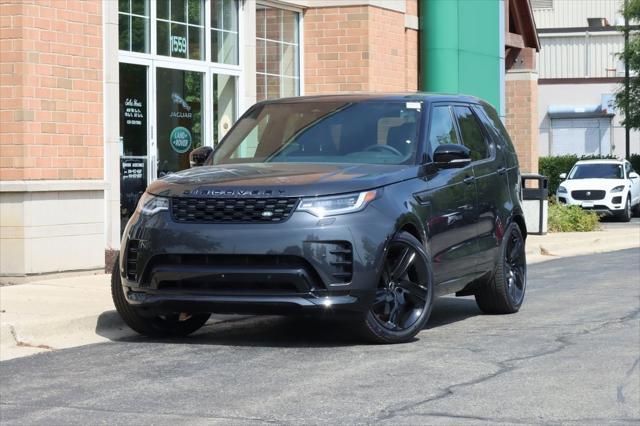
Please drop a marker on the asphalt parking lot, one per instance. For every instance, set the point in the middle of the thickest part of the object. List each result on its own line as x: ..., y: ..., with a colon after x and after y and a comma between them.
x: 571, y: 355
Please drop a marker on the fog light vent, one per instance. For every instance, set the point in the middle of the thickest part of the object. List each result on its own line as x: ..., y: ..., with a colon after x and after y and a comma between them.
x: 342, y: 260
x: 131, y: 260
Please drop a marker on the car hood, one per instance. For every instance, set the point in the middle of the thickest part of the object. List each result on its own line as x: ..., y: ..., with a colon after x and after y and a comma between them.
x: 597, y: 184
x: 279, y: 179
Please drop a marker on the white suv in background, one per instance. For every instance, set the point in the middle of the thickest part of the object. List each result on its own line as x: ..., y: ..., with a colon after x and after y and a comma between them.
x: 609, y: 187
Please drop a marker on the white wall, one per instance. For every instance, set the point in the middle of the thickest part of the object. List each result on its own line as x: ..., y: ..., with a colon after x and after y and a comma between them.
x: 578, y: 55
x: 50, y: 226
x: 579, y: 94
x: 574, y: 13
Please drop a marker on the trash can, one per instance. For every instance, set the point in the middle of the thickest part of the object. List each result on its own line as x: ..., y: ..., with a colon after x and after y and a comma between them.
x: 535, y: 203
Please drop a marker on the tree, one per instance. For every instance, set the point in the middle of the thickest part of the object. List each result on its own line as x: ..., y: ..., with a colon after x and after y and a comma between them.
x: 629, y: 100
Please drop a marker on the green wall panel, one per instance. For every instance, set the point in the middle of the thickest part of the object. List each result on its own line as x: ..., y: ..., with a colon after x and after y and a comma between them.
x: 462, y: 47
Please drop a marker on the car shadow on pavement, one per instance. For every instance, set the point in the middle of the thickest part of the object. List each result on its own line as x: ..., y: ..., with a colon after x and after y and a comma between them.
x: 276, y: 331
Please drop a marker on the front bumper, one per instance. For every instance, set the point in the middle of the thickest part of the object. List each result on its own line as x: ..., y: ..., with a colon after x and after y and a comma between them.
x: 611, y: 205
x: 302, y: 264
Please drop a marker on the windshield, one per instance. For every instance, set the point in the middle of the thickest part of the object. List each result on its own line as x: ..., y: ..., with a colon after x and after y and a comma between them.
x: 597, y: 171
x: 324, y: 132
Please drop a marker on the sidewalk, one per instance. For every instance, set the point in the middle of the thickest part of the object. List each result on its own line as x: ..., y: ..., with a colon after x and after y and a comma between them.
x: 67, y: 312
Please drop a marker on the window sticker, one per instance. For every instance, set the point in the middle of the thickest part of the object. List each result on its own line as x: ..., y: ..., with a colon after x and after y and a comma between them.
x: 414, y: 105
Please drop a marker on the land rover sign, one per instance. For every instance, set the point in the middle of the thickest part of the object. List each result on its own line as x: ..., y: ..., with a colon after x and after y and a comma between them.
x: 180, y: 140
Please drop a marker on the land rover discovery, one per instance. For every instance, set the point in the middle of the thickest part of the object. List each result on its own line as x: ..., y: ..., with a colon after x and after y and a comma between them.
x: 363, y: 206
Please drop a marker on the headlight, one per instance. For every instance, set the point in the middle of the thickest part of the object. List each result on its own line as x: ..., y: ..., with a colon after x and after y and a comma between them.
x: 618, y: 188
x: 562, y: 190
x: 340, y: 204
x: 151, y: 204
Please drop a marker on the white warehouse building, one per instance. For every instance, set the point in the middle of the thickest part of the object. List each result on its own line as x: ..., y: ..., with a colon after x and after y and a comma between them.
x: 580, y: 70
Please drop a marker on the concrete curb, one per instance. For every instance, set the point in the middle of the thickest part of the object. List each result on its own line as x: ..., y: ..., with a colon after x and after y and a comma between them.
x: 568, y: 244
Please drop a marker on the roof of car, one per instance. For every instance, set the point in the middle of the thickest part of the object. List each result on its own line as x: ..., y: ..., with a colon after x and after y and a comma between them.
x: 364, y: 97
x: 602, y: 161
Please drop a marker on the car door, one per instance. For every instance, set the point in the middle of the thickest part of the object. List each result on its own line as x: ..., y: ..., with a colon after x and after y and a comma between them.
x: 451, y: 196
x: 491, y: 184
x: 634, y: 182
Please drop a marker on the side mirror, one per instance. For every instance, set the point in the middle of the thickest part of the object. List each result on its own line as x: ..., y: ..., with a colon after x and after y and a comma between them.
x: 452, y: 156
x: 634, y: 175
x: 562, y: 176
x: 198, y: 156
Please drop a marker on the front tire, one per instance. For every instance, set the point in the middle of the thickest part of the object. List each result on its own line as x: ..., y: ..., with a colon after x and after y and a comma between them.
x: 504, y: 293
x: 155, y: 326
x: 404, y: 296
x: 625, y: 216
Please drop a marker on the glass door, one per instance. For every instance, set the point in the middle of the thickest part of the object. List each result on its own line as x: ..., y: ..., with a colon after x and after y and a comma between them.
x: 134, y: 136
x: 179, y: 117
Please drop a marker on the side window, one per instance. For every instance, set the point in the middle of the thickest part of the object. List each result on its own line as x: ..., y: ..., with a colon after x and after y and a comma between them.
x: 442, y: 130
x: 627, y: 169
x: 498, y: 127
x: 471, y: 133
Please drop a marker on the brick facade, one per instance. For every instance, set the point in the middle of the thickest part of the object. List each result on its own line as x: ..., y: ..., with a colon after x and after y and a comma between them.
x: 51, y: 91
x: 521, y: 92
x: 359, y: 48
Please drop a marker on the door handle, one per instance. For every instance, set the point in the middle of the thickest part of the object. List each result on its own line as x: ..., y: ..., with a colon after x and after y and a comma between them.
x: 502, y: 170
x: 469, y: 180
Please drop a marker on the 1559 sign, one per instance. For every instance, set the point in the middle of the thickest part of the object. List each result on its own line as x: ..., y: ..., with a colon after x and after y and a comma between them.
x: 178, y: 44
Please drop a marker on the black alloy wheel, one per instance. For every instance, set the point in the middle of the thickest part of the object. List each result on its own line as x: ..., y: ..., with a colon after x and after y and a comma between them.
x: 170, y: 325
x: 404, y: 294
x: 515, y: 268
x: 504, y: 293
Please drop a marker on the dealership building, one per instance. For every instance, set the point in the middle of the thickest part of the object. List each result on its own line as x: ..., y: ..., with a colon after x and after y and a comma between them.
x: 100, y: 98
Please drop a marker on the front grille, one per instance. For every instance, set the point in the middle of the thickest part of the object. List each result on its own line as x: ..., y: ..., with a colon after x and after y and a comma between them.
x: 243, y: 274
x: 597, y: 207
x: 588, y: 195
x: 231, y: 210
x: 131, y: 259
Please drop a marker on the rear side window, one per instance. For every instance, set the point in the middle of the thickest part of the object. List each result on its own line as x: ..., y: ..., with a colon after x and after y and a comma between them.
x: 442, y: 130
x: 471, y: 133
x: 495, y: 124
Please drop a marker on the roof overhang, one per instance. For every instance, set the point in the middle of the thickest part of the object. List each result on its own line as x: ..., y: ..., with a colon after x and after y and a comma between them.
x: 579, y: 111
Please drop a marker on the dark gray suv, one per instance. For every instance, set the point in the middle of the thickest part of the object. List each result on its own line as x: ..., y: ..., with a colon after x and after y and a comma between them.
x: 363, y: 206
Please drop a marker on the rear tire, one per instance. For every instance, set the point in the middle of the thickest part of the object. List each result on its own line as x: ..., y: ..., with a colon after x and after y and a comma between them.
x: 404, y: 296
x: 504, y: 293
x: 156, y: 326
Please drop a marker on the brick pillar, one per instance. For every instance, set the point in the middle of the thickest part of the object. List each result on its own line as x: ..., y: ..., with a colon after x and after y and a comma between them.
x: 521, y: 88
x: 360, y: 49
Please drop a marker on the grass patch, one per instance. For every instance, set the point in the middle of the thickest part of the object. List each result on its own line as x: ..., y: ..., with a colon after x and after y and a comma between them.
x: 572, y: 219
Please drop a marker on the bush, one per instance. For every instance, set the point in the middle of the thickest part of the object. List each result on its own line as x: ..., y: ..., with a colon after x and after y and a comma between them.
x: 551, y: 167
x: 572, y: 219
x: 634, y: 159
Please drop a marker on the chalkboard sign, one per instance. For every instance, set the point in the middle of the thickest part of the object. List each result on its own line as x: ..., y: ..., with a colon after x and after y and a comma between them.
x: 133, y: 182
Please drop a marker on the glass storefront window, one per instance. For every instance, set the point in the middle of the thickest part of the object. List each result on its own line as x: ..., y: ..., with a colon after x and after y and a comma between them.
x: 133, y: 25
x: 179, y: 117
x: 180, y: 28
x: 224, y: 31
x: 224, y: 109
x: 277, y: 53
